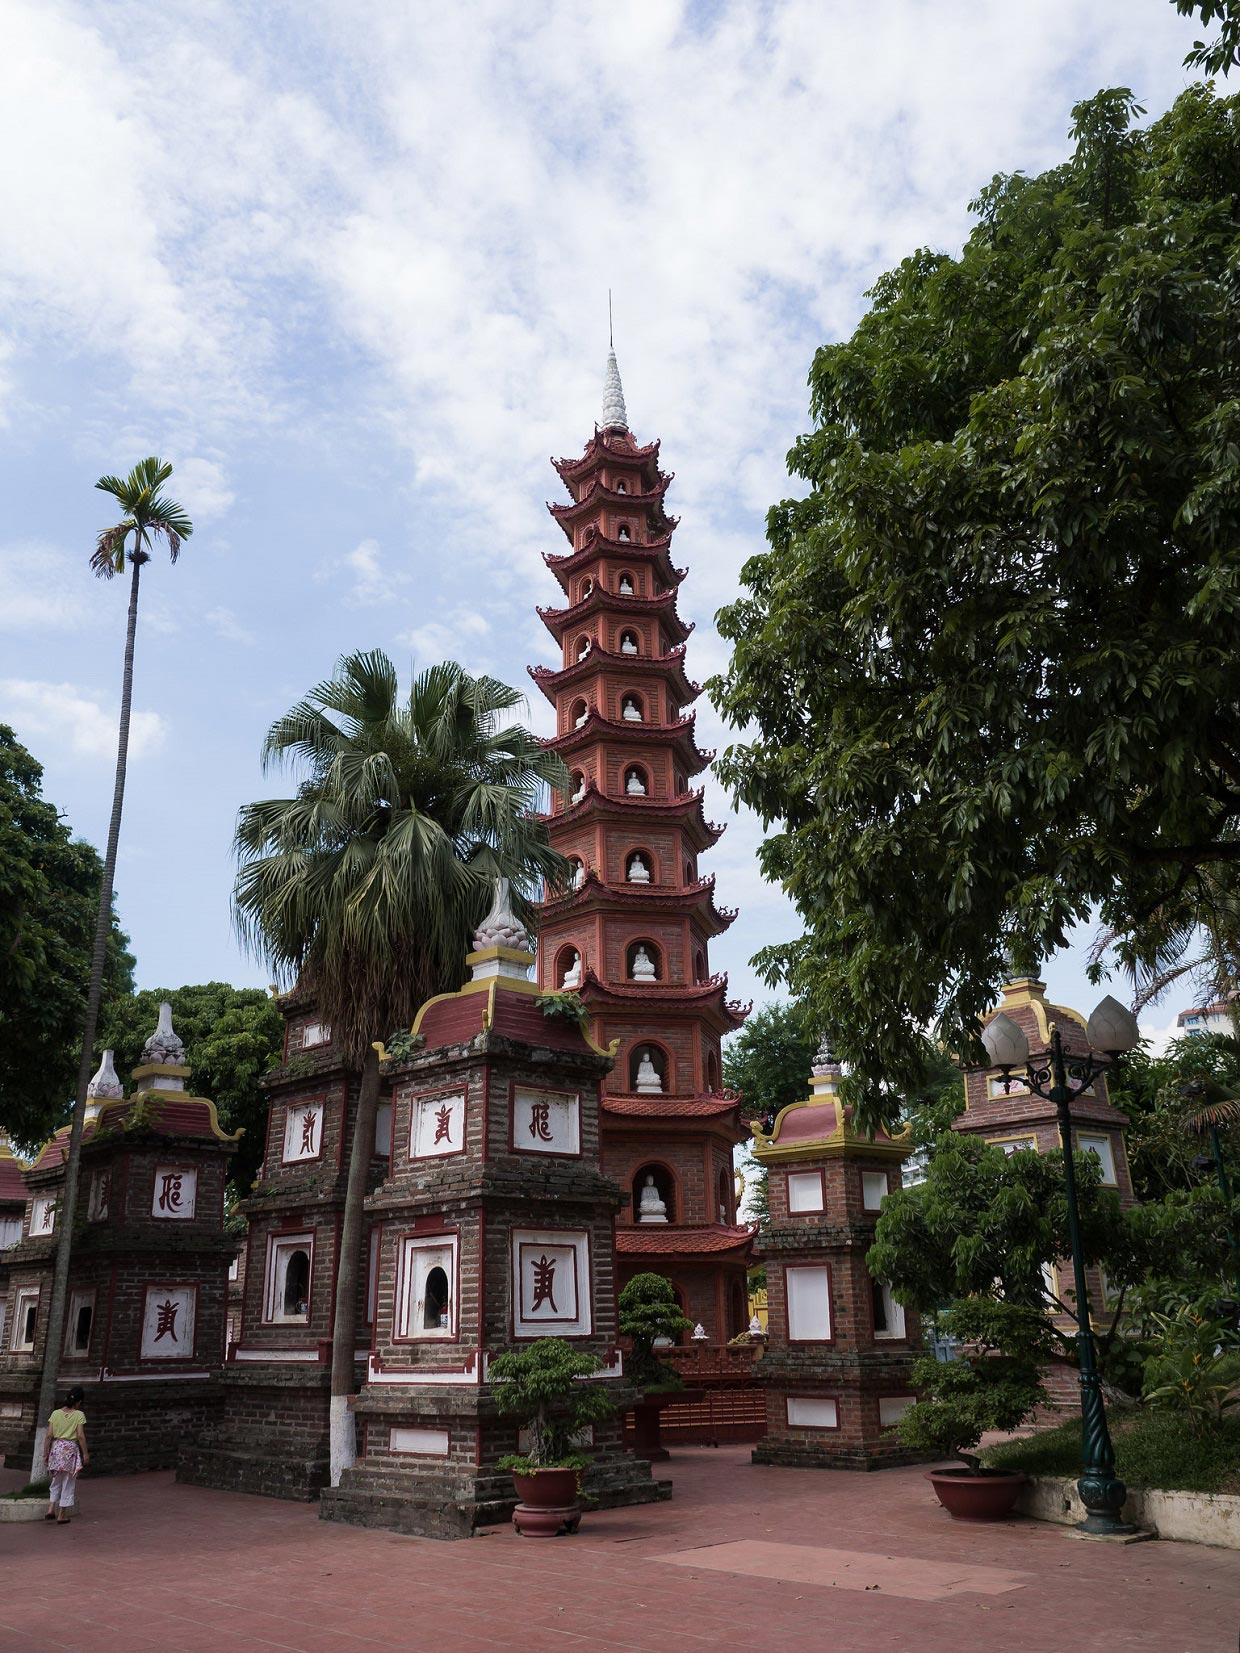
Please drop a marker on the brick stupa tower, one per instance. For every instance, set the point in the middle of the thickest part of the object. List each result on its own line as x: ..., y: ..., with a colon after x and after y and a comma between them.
x: 838, y: 1364
x: 633, y: 934
x: 144, y: 1320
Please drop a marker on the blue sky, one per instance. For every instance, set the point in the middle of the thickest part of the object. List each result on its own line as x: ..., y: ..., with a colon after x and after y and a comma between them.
x: 346, y: 265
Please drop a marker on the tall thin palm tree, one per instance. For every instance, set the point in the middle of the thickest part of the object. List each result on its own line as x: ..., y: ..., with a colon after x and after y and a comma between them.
x: 148, y: 517
x: 368, y: 884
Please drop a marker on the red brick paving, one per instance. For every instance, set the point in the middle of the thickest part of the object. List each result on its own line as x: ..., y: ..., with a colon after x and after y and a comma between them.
x: 149, y: 1564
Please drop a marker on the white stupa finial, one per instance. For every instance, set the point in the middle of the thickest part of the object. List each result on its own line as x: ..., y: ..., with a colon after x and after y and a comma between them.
x: 614, y: 415
x: 501, y: 928
x: 163, y: 1045
x: 105, y: 1084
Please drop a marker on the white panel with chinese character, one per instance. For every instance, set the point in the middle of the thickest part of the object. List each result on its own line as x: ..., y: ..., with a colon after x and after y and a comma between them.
x: 168, y: 1323
x: 303, y: 1131
x: 551, y: 1283
x: 176, y: 1193
x: 100, y: 1189
x: 437, y: 1126
x: 43, y: 1215
x: 545, y: 1122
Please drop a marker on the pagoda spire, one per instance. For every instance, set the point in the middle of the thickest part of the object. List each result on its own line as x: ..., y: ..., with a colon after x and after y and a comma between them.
x: 614, y: 415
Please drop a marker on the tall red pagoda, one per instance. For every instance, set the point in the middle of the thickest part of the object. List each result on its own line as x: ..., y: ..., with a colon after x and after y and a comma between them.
x: 633, y: 934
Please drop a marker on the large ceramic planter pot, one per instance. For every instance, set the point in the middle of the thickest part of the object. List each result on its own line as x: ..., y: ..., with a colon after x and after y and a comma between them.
x: 549, y: 1502
x: 990, y: 1496
x: 23, y: 1509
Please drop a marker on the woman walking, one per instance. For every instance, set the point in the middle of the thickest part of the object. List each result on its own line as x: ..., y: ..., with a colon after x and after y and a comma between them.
x: 66, y: 1454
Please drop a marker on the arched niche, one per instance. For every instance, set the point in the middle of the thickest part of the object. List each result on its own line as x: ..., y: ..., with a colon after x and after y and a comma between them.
x: 632, y: 707
x: 712, y: 1072
x: 699, y: 966
x: 630, y: 641
x: 643, y: 960
x: 579, y: 787
x: 436, y: 1300
x: 647, y: 1052
x: 584, y: 589
x: 624, y: 534
x: 295, y: 1291
x: 640, y: 867
x: 581, y: 647
x: 626, y: 585
x: 666, y: 1185
x: 636, y: 781
x: 723, y: 1196
x: 578, y: 712
x: 569, y: 965
x: 576, y: 872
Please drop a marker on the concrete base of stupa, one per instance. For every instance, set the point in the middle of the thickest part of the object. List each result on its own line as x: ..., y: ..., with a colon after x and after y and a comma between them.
x: 428, y: 1465
x: 272, y: 1437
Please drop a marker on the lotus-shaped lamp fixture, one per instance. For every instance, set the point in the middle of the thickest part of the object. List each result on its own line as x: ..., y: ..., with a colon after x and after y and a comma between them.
x: 1113, y: 1027
x: 1005, y: 1044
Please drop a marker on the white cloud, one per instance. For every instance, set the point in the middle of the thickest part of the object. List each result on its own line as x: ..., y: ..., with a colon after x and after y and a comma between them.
x: 66, y: 717
x: 453, y: 638
x: 42, y: 589
x: 1160, y: 1036
x: 202, y: 488
x: 226, y: 625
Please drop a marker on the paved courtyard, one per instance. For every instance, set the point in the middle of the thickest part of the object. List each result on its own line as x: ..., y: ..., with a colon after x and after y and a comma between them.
x: 742, y: 1558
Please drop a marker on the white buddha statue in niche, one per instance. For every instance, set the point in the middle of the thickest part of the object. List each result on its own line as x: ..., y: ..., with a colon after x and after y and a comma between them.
x: 628, y: 643
x: 634, y: 785
x: 639, y: 872
x: 580, y: 793
x: 643, y: 966
x: 572, y: 976
x: 648, y: 1080
x: 581, y: 717
x: 579, y: 872
x: 630, y: 711
x: 651, y: 1207
x: 584, y: 648
x: 625, y: 587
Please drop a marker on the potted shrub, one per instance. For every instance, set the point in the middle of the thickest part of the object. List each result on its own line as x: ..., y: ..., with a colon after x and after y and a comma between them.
x: 540, y: 1387
x: 650, y: 1318
x: 994, y: 1383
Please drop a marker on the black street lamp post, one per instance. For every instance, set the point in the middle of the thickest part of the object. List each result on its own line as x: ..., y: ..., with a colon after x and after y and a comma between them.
x: 1060, y: 1079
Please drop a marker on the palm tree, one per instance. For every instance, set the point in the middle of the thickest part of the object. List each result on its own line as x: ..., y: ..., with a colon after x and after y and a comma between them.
x: 148, y: 517
x: 368, y: 884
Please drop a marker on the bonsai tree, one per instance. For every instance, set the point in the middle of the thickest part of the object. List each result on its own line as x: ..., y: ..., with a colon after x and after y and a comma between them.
x: 649, y: 1310
x: 994, y: 1384
x: 539, y: 1386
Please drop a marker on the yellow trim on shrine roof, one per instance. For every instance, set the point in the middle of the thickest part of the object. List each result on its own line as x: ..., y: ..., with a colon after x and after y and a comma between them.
x: 170, y: 1070
x: 837, y: 1143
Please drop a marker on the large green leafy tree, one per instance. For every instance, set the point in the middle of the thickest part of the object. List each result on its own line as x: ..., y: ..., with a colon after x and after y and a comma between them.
x: 232, y: 1037
x: 369, y: 883
x: 991, y: 660
x: 988, y: 1225
x: 148, y: 517
x: 49, y: 897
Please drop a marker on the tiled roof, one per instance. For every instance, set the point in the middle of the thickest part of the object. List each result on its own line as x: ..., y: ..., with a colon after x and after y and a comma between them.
x: 668, y: 1240
x: 12, y: 1188
x: 670, y: 1107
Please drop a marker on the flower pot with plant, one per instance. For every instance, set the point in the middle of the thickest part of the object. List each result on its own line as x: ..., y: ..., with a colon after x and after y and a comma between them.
x: 994, y: 1383
x: 650, y: 1318
x: 540, y: 1386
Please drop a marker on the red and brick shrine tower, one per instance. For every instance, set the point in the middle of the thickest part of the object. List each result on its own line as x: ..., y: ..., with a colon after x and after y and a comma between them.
x: 838, y: 1363
x: 633, y: 934
x: 144, y: 1320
